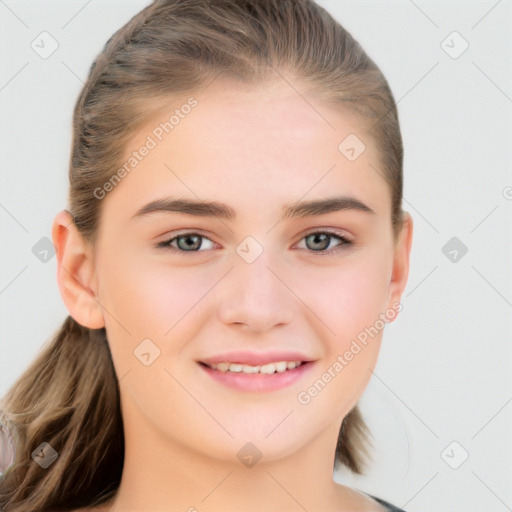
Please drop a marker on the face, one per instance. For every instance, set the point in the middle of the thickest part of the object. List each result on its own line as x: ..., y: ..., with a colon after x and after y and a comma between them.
x: 244, y: 284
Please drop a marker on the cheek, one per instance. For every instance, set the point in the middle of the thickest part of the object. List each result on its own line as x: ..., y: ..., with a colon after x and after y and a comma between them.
x: 353, y: 301
x: 349, y: 297
x: 150, y: 299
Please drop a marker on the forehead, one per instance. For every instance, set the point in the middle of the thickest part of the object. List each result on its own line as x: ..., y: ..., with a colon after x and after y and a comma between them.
x: 269, y: 143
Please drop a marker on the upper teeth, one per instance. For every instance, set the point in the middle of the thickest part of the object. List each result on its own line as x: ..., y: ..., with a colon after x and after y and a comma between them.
x: 279, y: 367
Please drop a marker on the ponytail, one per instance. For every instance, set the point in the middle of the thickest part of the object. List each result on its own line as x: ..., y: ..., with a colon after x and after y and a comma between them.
x: 353, y: 449
x: 69, y: 399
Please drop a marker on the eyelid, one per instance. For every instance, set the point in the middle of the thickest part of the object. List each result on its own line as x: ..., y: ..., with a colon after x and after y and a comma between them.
x: 165, y: 243
x: 346, y: 241
x: 329, y: 231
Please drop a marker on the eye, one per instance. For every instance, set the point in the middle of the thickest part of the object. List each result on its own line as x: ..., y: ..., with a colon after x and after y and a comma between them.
x: 319, y: 241
x: 316, y: 241
x: 187, y: 242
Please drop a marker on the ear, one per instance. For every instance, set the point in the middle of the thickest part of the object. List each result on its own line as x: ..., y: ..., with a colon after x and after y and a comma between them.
x: 75, y: 272
x: 400, y: 270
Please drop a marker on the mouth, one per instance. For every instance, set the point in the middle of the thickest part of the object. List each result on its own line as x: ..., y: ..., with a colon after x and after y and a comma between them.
x: 266, y: 377
x: 268, y: 369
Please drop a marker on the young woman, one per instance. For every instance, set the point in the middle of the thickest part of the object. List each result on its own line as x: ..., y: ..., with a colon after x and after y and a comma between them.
x: 233, y: 249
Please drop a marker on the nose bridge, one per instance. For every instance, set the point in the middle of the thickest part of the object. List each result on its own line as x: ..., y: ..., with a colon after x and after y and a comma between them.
x: 255, y: 295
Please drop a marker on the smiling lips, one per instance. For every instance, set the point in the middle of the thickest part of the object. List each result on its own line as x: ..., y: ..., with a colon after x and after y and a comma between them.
x: 253, y: 358
x: 250, y: 371
x: 269, y: 368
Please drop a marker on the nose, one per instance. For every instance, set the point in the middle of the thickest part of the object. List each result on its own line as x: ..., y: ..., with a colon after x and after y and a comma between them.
x: 256, y: 296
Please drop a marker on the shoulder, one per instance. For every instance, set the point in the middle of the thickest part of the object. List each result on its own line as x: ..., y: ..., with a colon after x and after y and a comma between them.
x: 359, y: 501
x: 388, y: 506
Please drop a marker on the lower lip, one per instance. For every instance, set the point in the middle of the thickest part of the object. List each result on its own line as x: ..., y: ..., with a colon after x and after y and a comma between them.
x: 258, y: 381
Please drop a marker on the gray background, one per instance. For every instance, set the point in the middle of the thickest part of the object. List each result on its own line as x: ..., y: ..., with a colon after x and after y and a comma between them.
x: 444, y: 371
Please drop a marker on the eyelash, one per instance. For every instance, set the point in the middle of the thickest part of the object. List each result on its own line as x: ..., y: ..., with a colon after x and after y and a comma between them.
x: 166, y: 244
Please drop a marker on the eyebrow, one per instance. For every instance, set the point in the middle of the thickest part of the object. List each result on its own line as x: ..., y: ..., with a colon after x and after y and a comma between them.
x: 223, y: 211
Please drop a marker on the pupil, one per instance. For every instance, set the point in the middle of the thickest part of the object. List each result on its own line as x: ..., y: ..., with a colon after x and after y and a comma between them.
x: 190, y: 243
x: 318, y: 236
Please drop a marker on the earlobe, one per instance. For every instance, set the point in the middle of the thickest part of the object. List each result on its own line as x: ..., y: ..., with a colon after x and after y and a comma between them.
x: 76, y: 272
x: 400, y: 270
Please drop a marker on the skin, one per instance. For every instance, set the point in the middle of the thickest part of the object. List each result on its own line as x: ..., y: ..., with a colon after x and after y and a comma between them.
x: 255, y: 149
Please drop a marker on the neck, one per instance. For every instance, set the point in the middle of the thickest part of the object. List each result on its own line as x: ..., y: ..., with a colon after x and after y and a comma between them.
x: 162, y: 475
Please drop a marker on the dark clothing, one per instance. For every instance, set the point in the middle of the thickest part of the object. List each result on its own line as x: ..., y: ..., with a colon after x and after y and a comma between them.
x: 388, y: 506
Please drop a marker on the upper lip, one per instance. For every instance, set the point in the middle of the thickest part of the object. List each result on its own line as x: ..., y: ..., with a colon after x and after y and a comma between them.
x: 256, y: 358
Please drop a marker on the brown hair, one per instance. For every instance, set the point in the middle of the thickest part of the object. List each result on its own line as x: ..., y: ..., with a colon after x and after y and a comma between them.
x: 69, y: 396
